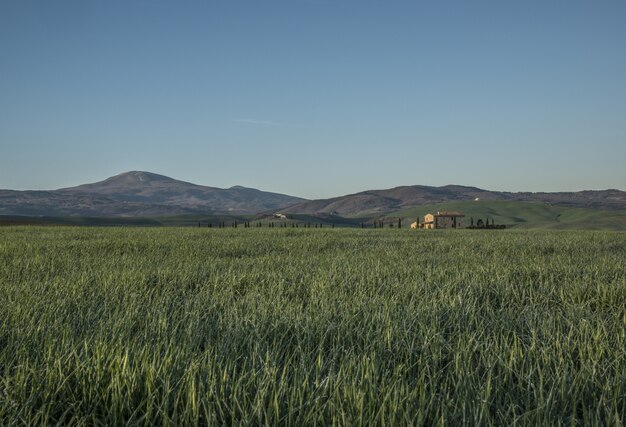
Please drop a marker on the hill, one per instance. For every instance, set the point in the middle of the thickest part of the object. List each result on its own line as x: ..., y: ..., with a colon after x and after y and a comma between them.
x: 139, y: 193
x: 162, y: 200
x: 381, y: 202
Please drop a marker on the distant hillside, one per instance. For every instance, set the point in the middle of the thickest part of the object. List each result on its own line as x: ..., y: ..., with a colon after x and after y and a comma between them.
x: 149, y: 195
x: 525, y: 215
x: 141, y: 194
x: 381, y: 202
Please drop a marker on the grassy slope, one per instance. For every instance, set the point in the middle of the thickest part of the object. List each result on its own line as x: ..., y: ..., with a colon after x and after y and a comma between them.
x: 11, y: 220
x: 175, y: 220
x: 178, y: 220
x: 512, y: 214
x: 527, y: 215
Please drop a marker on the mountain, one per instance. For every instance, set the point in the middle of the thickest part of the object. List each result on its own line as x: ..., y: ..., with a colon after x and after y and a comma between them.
x: 139, y: 193
x: 381, y: 202
x: 145, y: 194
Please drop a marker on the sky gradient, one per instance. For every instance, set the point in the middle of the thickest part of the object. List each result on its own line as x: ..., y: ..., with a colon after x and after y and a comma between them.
x: 315, y: 98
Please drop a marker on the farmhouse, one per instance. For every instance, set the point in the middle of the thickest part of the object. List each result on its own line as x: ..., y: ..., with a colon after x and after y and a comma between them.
x: 444, y: 219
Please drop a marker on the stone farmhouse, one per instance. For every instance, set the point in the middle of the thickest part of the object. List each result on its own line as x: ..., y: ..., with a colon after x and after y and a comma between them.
x: 442, y: 219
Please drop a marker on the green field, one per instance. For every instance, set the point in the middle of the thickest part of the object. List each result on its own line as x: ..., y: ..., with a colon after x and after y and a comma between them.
x: 513, y: 214
x: 527, y: 215
x: 185, y: 326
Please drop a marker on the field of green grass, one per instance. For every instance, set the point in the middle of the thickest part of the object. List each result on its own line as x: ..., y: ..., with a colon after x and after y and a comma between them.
x: 513, y: 214
x: 188, y: 326
x: 159, y: 221
x: 527, y: 215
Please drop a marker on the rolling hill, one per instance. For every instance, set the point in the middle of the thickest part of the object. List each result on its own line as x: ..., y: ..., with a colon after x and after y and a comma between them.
x: 152, y: 199
x: 382, y: 202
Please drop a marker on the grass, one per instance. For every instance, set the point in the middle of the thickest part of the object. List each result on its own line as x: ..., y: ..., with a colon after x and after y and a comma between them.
x: 527, y: 215
x: 15, y: 220
x: 171, y: 326
x: 175, y: 220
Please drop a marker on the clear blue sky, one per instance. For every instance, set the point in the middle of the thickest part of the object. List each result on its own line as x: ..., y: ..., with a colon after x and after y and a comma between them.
x: 315, y: 98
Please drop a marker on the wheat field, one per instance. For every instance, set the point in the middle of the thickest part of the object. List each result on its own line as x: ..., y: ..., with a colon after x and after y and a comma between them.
x: 188, y: 326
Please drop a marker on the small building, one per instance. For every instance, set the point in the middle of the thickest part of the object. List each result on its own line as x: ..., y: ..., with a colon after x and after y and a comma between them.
x: 444, y: 219
x: 415, y: 225
x: 280, y: 216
